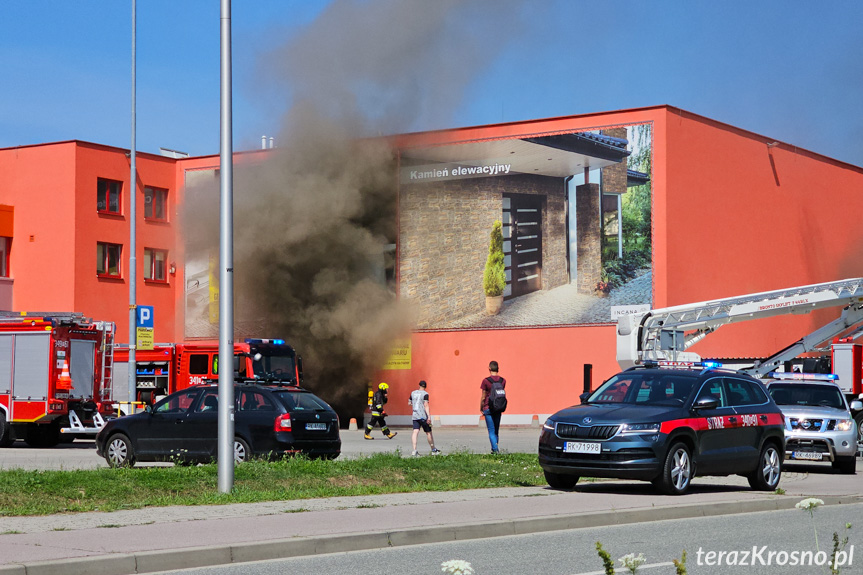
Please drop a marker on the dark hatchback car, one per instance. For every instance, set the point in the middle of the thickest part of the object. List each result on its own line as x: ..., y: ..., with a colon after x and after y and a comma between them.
x: 269, y: 421
x: 666, y: 426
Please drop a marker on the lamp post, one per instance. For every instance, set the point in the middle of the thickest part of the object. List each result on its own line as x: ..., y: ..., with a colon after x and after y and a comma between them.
x: 226, y: 264
x: 133, y: 201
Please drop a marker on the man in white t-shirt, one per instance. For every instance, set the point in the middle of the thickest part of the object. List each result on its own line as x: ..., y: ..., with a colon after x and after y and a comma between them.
x: 421, y: 416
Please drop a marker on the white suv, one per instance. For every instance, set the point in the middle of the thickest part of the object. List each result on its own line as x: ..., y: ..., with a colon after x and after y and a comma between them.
x: 818, y: 422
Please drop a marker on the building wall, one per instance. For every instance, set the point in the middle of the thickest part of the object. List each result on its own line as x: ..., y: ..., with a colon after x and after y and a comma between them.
x: 744, y: 217
x: 37, y: 181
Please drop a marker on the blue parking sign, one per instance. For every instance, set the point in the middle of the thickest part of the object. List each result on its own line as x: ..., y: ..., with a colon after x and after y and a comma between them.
x: 144, y: 316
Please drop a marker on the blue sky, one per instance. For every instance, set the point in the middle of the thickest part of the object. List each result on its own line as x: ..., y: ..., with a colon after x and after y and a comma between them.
x: 790, y: 70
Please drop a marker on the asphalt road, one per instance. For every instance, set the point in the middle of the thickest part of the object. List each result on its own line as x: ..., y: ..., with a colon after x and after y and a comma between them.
x: 81, y: 454
x: 572, y: 552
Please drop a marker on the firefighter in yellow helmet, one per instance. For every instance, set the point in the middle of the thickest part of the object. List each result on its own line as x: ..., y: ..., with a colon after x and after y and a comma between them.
x: 379, y: 399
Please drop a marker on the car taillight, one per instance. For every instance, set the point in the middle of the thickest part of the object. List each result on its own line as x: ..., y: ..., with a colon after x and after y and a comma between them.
x: 283, y: 422
x: 107, y: 408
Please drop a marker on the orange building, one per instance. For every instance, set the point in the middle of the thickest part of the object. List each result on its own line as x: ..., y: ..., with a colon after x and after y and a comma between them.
x: 730, y: 212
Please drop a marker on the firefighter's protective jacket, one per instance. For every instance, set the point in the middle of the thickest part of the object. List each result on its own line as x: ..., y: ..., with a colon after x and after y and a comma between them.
x: 379, y: 399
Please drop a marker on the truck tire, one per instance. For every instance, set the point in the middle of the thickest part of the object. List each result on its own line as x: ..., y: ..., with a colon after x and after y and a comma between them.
x: 846, y: 465
x: 42, y: 435
x: 6, y: 437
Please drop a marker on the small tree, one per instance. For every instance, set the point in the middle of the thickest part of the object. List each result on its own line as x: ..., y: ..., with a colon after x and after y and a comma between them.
x: 494, y: 278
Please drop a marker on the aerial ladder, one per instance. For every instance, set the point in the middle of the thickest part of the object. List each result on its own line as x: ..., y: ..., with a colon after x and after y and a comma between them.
x: 666, y: 333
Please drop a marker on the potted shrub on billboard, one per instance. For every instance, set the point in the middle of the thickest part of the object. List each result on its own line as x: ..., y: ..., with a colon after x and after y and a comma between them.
x: 494, y: 278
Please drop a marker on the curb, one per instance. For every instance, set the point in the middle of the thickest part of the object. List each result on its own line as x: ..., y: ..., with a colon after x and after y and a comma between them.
x: 208, y: 556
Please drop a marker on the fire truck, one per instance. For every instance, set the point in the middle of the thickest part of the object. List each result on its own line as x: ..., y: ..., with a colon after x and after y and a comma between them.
x: 55, y: 376
x: 170, y: 367
x: 665, y: 334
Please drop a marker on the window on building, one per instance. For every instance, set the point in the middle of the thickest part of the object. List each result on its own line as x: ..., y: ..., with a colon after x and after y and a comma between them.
x: 108, y: 259
x: 156, y: 204
x: 108, y: 196
x: 155, y: 265
x: 5, y: 244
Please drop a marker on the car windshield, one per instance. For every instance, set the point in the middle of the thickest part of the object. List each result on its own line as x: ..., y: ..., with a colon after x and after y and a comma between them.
x: 275, y: 367
x: 301, y: 400
x: 645, y: 389
x: 807, y: 395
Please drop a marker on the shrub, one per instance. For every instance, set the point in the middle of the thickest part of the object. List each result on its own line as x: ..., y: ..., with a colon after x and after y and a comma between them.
x: 494, y: 278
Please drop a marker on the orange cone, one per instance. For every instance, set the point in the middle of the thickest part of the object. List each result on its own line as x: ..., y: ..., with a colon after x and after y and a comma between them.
x: 65, y: 380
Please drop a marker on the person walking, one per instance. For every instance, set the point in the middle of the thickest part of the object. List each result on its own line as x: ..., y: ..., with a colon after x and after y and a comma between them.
x: 492, y: 416
x: 379, y: 400
x: 421, y: 416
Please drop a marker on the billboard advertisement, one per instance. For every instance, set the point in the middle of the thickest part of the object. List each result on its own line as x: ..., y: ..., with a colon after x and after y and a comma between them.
x: 539, y: 230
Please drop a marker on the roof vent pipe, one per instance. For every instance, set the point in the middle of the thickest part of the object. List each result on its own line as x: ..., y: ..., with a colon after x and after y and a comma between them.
x: 271, y: 142
x: 263, y: 142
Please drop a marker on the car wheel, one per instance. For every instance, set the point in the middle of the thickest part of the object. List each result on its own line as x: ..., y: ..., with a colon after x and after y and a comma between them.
x: 766, y: 476
x: 677, y: 471
x: 859, y: 420
x: 846, y: 465
x: 119, y: 452
x: 560, y: 480
x: 5, y: 431
x: 242, y: 451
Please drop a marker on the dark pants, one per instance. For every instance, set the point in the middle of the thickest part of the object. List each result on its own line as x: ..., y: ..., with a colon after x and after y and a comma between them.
x: 377, y: 419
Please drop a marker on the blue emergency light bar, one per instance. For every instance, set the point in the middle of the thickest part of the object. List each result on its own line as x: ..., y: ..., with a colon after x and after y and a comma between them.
x: 801, y: 376
x: 267, y: 341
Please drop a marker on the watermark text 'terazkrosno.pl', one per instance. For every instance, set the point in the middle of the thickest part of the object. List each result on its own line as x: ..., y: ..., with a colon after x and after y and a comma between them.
x: 758, y: 556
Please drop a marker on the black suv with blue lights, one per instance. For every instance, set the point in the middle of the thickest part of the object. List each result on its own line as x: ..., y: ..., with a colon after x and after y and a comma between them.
x: 667, y: 423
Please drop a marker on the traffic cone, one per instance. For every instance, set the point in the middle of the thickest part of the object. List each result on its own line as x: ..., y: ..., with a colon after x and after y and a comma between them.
x: 352, y: 426
x: 535, y: 422
x: 481, y: 421
x: 65, y: 380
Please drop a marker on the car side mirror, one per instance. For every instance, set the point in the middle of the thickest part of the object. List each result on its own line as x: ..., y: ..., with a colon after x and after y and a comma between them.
x: 857, y: 405
x: 583, y: 397
x: 706, y: 402
x: 148, y: 408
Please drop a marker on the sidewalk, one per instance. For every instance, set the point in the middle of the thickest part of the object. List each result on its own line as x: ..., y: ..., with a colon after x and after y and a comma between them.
x: 156, y: 539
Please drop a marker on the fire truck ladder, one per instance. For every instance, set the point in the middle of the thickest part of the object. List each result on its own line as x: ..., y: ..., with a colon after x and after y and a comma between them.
x: 665, y: 333
x: 107, y: 359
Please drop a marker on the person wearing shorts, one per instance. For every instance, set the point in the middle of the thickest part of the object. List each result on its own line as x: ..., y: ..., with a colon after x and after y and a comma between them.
x: 421, y: 416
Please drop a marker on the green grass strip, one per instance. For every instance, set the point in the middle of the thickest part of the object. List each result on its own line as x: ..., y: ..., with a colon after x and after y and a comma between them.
x: 48, y: 492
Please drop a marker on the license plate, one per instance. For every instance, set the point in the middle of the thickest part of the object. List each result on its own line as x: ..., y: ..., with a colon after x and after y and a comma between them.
x: 807, y: 455
x: 316, y: 426
x: 581, y: 447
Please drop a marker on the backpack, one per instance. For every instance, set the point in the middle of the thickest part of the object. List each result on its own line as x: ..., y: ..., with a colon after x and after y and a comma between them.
x: 497, y: 396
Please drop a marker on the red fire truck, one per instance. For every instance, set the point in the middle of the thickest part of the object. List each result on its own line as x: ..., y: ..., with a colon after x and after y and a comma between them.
x: 170, y: 367
x: 55, y: 376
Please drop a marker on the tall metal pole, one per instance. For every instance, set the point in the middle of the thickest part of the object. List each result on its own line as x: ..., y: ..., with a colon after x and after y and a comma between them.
x: 133, y: 200
x: 226, y: 266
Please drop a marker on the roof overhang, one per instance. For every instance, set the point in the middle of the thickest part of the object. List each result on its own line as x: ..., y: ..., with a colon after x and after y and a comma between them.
x: 559, y: 155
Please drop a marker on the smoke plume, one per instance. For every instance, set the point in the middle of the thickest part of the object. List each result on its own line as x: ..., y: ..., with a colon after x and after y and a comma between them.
x: 312, y: 222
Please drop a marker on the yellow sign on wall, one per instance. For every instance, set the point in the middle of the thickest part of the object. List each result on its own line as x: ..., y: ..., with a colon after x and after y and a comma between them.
x: 400, y: 358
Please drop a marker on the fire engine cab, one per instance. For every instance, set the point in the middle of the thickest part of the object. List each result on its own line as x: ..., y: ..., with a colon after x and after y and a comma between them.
x: 170, y: 367
x: 55, y: 376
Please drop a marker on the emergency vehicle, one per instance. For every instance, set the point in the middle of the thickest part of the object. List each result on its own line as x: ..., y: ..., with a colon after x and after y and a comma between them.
x: 666, y: 333
x: 55, y: 376
x: 171, y: 367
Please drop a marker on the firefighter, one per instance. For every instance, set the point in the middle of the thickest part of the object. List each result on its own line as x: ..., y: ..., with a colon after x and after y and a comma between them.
x: 379, y: 399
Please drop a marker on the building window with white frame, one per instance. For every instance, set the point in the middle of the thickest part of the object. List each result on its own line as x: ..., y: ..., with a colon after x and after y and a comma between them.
x: 155, y: 265
x: 108, y: 257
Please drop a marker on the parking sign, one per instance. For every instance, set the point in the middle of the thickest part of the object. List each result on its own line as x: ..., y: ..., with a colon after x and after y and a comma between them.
x: 144, y: 316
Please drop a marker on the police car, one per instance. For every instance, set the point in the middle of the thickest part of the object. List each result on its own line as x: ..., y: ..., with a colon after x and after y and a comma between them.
x: 818, y: 422
x: 667, y: 423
